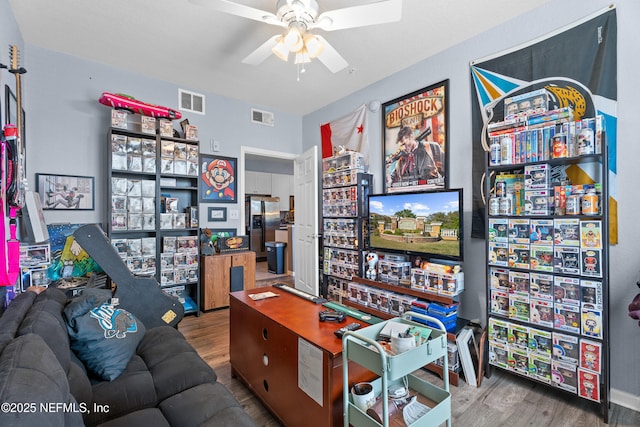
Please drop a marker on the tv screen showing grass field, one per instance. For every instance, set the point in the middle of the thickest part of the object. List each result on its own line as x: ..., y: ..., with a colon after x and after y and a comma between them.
x: 427, y: 223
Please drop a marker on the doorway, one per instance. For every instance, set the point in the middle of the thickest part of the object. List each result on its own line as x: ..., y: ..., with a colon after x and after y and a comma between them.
x: 260, y: 160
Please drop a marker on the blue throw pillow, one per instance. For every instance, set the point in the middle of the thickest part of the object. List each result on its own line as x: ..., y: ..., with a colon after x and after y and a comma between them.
x: 103, y: 336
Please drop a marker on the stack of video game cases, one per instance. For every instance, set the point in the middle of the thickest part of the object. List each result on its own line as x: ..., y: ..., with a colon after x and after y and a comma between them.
x: 447, y: 314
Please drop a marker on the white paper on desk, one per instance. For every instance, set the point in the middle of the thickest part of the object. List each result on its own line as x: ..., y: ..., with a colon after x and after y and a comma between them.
x: 262, y: 295
x: 310, y: 370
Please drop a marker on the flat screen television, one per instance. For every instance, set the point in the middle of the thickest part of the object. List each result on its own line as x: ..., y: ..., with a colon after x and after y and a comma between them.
x: 426, y: 224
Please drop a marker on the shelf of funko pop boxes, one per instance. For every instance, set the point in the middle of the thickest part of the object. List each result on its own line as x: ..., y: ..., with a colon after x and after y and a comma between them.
x: 345, y: 189
x: 153, y: 199
x: 542, y: 334
x: 547, y: 273
x: 452, y: 333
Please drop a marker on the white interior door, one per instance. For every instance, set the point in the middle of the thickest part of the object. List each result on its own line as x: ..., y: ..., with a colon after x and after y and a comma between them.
x: 305, y: 174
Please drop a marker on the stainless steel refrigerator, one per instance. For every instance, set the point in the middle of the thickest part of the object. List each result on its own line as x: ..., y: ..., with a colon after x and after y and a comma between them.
x: 262, y: 221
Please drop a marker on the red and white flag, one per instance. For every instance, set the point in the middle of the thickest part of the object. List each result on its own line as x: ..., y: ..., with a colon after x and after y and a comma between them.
x: 349, y: 132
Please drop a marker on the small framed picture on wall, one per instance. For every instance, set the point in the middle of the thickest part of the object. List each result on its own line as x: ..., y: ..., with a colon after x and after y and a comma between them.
x: 65, y: 191
x: 217, y: 214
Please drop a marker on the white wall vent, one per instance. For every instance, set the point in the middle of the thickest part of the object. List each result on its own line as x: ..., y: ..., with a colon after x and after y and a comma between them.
x: 191, y: 101
x: 262, y: 117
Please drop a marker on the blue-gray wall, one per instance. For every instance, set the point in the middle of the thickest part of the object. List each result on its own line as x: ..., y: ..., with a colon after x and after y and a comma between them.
x: 9, y: 35
x: 67, y: 134
x: 453, y: 64
x: 67, y: 127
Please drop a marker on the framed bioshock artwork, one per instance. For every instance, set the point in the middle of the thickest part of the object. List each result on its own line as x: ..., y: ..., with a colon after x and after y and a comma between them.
x: 415, y: 131
x: 218, y: 179
x: 66, y: 191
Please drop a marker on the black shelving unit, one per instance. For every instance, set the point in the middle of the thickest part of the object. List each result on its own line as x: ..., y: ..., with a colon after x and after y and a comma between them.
x: 168, y: 236
x: 547, y: 269
x: 345, y: 188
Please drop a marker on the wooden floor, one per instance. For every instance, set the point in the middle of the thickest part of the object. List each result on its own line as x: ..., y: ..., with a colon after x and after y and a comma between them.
x: 263, y: 276
x: 502, y: 400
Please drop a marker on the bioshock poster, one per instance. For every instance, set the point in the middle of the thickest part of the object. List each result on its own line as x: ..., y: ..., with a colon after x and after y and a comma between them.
x: 415, y: 138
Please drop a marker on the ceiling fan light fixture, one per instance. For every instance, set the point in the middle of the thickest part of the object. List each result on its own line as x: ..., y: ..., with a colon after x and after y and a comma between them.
x: 313, y: 45
x: 280, y: 50
x: 302, y: 57
x: 297, y: 17
x: 293, y: 40
x: 298, y: 8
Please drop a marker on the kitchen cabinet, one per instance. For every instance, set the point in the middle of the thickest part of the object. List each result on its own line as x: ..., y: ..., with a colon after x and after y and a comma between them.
x: 273, y: 184
x: 281, y: 186
x: 257, y: 183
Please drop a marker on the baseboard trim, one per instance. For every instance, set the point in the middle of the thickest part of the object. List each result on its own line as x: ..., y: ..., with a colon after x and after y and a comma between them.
x: 628, y: 400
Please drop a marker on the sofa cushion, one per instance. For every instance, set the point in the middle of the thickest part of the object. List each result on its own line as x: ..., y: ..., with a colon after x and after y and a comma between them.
x: 145, y: 417
x: 102, y: 335
x: 174, y: 364
x: 131, y: 391
x: 13, y: 315
x: 30, y: 374
x: 79, y: 384
x: 45, y: 319
x: 209, y: 404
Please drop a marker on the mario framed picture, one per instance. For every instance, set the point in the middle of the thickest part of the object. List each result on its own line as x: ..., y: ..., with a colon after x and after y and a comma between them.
x: 218, y: 179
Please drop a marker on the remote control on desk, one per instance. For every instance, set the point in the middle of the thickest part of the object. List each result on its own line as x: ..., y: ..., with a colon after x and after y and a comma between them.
x: 350, y: 327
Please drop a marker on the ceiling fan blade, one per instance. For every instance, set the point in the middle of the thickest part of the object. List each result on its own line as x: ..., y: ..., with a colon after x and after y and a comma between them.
x: 330, y: 57
x: 241, y: 10
x: 379, y: 12
x: 260, y: 54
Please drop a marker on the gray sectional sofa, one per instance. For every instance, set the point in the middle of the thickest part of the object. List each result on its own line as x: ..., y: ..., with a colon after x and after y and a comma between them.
x: 44, y: 383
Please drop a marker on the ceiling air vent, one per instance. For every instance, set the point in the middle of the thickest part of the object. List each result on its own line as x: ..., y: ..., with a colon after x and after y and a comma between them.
x: 262, y: 117
x: 191, y: 101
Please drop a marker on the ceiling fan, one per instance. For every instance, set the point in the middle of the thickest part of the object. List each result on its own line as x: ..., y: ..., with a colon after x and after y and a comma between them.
x: 299, y: 17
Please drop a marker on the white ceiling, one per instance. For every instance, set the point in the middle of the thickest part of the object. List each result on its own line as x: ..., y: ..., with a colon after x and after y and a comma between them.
x: 200, y: 49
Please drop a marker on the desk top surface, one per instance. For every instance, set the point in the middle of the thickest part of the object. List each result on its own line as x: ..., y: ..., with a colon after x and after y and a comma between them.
x: 298, y: 315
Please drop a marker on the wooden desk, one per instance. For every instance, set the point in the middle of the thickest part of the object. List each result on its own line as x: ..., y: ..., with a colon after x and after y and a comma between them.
x: 265, y: 339
x: 217, y: 275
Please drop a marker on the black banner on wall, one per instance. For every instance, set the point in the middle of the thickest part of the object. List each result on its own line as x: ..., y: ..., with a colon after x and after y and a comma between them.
x: 577, y: 66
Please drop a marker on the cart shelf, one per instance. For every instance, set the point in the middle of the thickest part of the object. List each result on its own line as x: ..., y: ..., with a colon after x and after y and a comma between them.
x: 362, y: 348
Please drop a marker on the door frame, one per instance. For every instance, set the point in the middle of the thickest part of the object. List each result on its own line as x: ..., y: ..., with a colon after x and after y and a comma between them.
x: 244, y: 150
